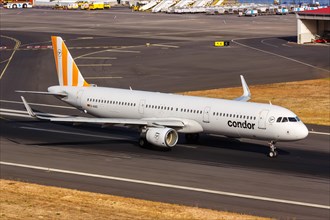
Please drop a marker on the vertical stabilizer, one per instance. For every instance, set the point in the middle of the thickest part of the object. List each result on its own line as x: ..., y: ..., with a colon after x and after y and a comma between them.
x: 67, y: 70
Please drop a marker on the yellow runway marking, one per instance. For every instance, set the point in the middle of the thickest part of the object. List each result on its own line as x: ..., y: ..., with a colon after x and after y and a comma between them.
x: 17, y: 45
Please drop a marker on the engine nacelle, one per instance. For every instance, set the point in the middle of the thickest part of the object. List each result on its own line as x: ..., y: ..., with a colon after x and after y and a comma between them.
x: 162, y: 137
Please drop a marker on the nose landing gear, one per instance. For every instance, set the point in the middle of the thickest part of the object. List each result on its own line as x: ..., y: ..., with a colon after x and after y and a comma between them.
x: 273, y: 152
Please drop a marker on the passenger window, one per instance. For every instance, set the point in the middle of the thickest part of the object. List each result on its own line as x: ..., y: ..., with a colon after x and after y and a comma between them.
x: 279, y: 119
x: 291, y: 119
x: 285, y: 119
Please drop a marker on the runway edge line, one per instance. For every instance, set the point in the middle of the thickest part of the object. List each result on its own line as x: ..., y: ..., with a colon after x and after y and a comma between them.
x: 245, y: 196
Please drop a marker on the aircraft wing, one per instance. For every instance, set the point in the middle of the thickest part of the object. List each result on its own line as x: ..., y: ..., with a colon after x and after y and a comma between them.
x: 43, y: 93
x: 151, y: 122
x: 246, y: 92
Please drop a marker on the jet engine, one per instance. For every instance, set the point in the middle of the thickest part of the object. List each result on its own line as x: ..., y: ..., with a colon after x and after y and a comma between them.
x: 162, y: 137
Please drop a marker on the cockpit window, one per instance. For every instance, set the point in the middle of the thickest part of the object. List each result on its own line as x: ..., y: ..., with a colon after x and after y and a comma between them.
x: 291, y: 119
x: 298, y: 119
x: 285, y: 119
x: 279, y: 119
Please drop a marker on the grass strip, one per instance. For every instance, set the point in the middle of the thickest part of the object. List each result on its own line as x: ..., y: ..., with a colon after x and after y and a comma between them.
x: 309, y: 99
x: 21, y: 200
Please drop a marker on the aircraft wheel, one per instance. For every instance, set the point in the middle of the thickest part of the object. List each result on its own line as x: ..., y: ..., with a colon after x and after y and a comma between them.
x: 142, y: 142
x: 272, y: 154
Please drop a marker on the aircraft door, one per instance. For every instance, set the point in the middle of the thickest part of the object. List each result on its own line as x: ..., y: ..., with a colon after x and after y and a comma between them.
x: 262, y: 119
x: 141, y: 106
x: 79, y: 98
x: 206, y: 115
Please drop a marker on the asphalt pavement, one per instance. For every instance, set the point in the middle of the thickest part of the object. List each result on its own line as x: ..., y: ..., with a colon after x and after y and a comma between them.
x: 167, y: 53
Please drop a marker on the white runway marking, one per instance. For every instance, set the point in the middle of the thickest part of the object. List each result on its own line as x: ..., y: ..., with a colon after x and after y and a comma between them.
x: 104, y: 77
x: 166, y: 185
x: 99, y: 58
x: 164, y: 45
x: 15, y: 114
x: 24, y: 114
x: 37, y: 104
x: 322, y: 133
x: 186, y: 146
x: 278, y: 55
x: 94, y: 65
x: 85, y: 38
x: 75, y: 133
x: 123, y: 51
x: 263, y: 42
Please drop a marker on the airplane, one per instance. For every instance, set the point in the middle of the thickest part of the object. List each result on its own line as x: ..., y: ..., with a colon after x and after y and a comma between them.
x: 159, y: 117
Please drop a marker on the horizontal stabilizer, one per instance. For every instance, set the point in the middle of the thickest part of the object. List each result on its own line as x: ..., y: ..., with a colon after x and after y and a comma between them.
x: 246, y: 92
x: 44, y: 93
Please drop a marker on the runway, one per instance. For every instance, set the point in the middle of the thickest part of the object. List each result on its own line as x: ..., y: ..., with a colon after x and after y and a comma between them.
x: 180, y: 57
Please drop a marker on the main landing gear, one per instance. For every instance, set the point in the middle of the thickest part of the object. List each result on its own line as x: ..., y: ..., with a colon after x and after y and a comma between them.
x: 192, y: 138
x: 273, y: 152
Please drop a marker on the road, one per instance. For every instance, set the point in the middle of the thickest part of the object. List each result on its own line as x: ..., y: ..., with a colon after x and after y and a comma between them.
x: 167, y: 53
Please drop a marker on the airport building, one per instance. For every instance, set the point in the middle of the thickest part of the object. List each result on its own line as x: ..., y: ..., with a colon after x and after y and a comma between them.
x: 312, y: 25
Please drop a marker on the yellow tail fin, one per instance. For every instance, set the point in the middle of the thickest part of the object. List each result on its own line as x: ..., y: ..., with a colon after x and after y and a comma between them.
x: 67, y: 70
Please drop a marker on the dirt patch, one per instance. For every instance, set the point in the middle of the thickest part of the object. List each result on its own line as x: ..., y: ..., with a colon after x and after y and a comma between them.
x: 309, y: 99
x: 20, y: 200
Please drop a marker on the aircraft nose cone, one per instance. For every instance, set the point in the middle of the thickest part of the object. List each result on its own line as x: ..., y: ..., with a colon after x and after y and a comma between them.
x: 303, y: 132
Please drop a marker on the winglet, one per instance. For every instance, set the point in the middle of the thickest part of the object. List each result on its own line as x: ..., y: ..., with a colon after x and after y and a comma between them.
x: 28, y: 108
x: 246, y: 92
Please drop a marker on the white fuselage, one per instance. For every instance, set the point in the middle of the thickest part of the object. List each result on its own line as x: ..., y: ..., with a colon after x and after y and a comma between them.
x: 216, y: 116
